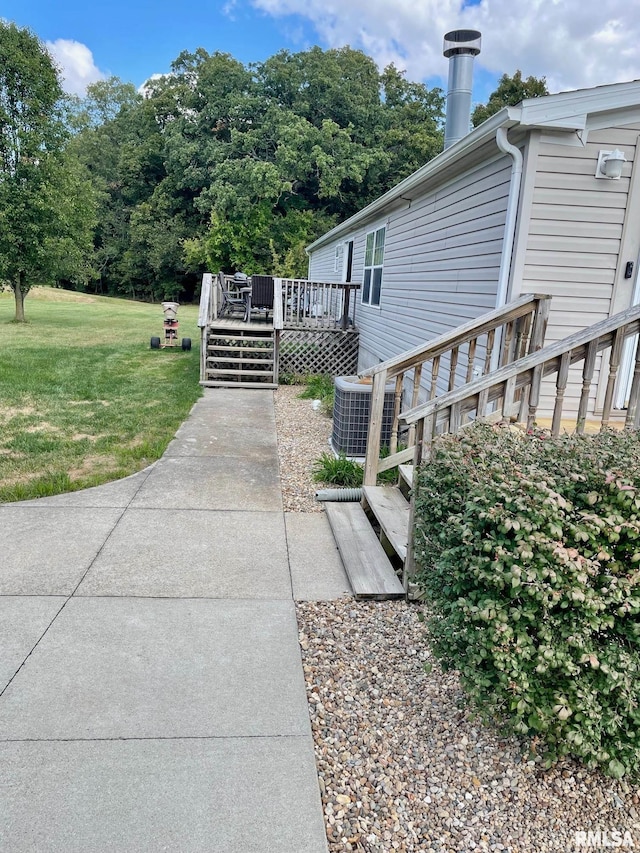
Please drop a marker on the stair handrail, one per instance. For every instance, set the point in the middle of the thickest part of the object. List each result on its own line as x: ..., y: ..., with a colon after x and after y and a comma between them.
x: 511, y: 331
x: 446, y: 412
x: 499, y: 389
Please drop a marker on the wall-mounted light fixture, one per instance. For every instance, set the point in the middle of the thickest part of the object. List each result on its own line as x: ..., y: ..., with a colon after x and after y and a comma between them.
x: 610, y: 164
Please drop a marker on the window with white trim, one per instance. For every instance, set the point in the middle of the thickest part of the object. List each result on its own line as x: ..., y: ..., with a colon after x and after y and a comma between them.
x: 373, y: 257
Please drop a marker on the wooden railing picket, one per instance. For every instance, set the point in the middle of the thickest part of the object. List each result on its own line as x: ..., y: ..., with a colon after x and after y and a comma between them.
x: 561, y: 387
x: 453, y: 366
x: 508, y: 344
x: 534, y: 396
x: 491, y: 339
x: 614, y: 364
x: 471, y: 357
x: 435, y: 370
x: 588, y: 369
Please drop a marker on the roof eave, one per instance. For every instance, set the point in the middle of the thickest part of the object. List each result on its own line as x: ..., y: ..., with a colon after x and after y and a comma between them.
x: 567, y: 112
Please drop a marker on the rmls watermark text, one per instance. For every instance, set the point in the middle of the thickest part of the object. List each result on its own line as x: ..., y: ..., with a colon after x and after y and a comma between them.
x: 605, y: 838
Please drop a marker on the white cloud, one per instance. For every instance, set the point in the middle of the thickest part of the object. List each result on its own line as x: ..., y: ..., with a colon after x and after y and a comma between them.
x: 76, y: 65
x: 573, y: 43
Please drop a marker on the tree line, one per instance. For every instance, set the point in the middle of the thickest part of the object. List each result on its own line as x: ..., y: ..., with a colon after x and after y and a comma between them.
x: 216, y: 165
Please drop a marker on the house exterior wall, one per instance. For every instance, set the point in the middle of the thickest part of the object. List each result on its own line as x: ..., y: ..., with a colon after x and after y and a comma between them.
x: 571, y: 245
x: 443, y: 249
x: 441, y: 262
x: 322, y: 264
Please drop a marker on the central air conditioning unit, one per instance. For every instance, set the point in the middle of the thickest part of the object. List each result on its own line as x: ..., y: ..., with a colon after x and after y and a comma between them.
x: 351, y: 407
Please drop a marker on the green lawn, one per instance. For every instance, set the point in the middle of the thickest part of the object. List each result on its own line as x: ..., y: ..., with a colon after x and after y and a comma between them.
x: 83, y: 398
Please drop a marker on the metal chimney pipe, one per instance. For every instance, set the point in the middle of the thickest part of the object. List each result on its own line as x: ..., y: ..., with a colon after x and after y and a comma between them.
x: 460, y: 48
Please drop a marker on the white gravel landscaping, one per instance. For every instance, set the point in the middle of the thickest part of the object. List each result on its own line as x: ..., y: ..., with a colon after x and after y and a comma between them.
x: 402, y: 765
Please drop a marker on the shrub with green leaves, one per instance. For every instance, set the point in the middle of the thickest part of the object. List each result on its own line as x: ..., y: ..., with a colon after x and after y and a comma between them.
x: 528, y: 553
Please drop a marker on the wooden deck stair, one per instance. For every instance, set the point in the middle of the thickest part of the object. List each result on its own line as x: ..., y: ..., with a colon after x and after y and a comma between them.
x: 390, y: 511
x: 369, y: 536
x: 240, y: 353
x: 368, y: 568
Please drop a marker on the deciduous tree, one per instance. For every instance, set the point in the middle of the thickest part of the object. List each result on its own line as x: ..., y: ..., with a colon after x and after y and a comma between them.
x: 46, y: 201
x: 510, y: 91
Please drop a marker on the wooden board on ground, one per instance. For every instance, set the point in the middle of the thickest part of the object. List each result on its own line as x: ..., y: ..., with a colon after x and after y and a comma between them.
x: 367, y: 566
x: 391, y: 509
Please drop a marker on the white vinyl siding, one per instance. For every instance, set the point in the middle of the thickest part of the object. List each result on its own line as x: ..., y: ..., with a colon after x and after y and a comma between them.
x: 573, y: 243
x: 441, y: 263
x: 322, y: 264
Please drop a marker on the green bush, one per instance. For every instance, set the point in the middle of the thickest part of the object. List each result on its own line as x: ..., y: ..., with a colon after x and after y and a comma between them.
x: 528, y: 552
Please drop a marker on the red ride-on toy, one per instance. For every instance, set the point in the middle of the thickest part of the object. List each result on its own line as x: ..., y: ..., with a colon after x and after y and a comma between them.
x: 170, y: 310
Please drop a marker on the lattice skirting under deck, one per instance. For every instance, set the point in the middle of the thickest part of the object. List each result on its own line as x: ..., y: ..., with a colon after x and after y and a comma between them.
x: 304, y: 351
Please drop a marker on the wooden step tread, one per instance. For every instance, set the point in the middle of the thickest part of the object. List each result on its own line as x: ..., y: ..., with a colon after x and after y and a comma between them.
x: 228, y: 359
x: 234, y: 383
x: 406, y: 472
x: 367, y: 566
x: 391, y: 509
x: 218, y: 371
x: 221, y: 348
x: 268, y: 338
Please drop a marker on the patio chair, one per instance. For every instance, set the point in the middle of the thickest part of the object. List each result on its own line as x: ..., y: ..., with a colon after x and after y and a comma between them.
x: 236, y: 295
x: 262, y: 293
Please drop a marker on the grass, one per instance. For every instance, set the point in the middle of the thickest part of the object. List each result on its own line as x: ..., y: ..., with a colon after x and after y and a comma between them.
x: 342, y: 471
x: 319, y: 387
x: 338, y: 471
x: 83, y: 398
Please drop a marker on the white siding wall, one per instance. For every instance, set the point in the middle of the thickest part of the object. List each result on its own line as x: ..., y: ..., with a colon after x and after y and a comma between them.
x: 443, y: 250
x: 322, y: 264
x: 441, y: 263
x: 574, y: 238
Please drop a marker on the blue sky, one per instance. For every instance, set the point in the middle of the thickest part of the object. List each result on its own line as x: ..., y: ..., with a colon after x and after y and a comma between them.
x: 134, y: 39
x: 573, y: 43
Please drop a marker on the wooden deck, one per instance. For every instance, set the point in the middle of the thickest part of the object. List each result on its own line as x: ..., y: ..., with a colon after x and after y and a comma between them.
x: 312, y: 327
x: 237, y: 324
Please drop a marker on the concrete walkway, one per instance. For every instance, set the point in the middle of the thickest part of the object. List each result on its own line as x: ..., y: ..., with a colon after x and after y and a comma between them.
x: 152, y: 694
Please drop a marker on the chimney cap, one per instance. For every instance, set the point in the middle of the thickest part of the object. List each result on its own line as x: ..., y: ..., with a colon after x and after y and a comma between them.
x: 459, y: 42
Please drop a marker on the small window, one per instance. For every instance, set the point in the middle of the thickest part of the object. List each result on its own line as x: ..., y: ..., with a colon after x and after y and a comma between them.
x: 338, y: 262
x: 373, y: 258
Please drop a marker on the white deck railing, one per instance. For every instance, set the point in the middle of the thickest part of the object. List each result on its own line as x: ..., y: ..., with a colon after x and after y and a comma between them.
x: 298, y: 303
x: 318, y: 304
